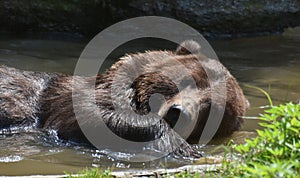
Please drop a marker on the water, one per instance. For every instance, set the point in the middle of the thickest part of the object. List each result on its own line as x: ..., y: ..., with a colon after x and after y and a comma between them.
x: 271, y: 63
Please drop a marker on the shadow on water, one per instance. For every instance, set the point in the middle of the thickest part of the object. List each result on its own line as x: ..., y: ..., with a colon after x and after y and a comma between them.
x: 271, y: 63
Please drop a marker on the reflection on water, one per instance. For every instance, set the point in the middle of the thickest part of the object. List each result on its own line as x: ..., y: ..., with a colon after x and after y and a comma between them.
x: 271, y: 63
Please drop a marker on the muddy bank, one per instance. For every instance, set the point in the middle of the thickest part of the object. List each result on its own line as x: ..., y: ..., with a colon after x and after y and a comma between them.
x: 212, y: 18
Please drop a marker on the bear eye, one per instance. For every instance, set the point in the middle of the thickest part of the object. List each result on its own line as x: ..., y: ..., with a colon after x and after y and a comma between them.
x: 174, y: 113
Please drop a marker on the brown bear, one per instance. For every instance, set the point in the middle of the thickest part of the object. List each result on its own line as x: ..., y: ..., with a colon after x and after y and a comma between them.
x: 44, y: 100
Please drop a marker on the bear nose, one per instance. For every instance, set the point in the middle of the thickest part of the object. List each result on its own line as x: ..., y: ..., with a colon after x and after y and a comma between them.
x: 174, y: 113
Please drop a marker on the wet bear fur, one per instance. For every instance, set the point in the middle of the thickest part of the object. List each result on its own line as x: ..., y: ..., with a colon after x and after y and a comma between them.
x: 45, y: 99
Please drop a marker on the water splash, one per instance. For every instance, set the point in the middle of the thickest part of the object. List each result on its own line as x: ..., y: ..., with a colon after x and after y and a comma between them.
x: 11, y: 158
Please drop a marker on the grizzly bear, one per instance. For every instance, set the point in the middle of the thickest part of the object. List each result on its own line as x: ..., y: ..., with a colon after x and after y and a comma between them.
x: 186, y: 94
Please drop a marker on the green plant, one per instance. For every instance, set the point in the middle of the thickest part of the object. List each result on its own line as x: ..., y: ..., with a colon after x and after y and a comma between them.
x: 275, y: 152
x: 263, y: 91
x: 92, y: 173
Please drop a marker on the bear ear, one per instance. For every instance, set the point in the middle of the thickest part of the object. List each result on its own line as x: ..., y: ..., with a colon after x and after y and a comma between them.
x: 188, y: 47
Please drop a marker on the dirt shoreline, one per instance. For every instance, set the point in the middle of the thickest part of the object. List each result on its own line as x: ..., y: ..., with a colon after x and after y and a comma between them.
x: 140, y: 173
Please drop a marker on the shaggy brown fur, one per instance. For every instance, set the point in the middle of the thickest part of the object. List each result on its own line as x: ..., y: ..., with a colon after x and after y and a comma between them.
x: 47, y: 98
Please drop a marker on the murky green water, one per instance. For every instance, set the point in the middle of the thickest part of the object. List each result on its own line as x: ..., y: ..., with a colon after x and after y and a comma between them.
x: 271, y: 63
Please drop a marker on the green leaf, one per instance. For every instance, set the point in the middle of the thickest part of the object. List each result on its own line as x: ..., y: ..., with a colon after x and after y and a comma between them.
x: 267, y: 125
x: 295, y: 122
